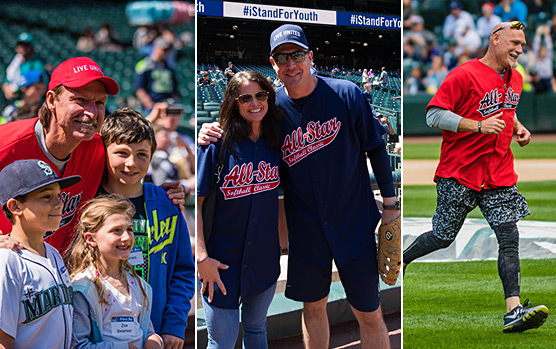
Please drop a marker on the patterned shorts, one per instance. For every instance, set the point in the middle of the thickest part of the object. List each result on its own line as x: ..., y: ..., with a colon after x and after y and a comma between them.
x: 455, y: 201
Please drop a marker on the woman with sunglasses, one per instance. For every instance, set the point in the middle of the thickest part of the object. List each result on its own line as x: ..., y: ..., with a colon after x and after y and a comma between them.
x: 240, y: 263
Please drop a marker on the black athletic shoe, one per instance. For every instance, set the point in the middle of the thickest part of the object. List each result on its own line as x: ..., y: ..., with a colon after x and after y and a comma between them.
x: 523, y: 317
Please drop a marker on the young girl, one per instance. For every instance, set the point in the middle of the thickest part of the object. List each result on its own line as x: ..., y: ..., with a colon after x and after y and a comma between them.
x: 111, y: 303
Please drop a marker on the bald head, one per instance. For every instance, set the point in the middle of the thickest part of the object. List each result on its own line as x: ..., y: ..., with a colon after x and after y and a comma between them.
x: 504, y: 46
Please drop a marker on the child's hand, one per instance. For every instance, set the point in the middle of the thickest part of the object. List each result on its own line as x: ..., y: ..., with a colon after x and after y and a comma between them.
x: 153, y: 342
x: 10, y: 243
x: 172, y: 342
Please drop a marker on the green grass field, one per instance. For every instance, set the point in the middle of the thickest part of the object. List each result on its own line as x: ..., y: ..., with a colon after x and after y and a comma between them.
x: 420, y: 200
x: 431, y: 151
x: 461, y: 305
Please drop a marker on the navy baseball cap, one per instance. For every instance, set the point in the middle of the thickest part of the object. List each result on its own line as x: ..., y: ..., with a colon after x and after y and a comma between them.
x: 288, y: 34
x: 455, y: 5
x: 24, y: 176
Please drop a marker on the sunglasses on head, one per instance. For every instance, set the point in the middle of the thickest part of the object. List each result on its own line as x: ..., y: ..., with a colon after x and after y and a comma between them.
x: 513, y: 25
x: 261, y: 96
x: 282, y: 58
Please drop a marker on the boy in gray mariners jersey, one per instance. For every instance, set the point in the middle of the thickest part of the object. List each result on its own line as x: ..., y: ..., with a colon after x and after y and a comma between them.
x: 35, y: 286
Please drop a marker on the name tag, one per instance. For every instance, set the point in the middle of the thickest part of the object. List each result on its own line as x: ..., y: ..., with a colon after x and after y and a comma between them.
x: 136, y: 256
x: 123, y: 325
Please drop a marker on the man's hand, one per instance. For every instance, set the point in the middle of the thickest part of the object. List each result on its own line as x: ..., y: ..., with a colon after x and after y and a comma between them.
x: 209, y: 133
x: 10, y: 243
x: 523, y: 134
x: 172, y: 342
x: 158, y: 111
x: 493, y: 125
x: 209, y: 274
x: 176, y: 193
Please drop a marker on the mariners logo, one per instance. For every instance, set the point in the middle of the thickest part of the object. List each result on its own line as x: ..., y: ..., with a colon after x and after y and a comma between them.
x: 38, y: 303
x: 243, y: 180
x: 298, y: 145
x: 45, y: 168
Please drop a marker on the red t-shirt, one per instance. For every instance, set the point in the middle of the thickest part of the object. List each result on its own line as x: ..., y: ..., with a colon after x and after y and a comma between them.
x: 476, y: 91
x: 18, y: 141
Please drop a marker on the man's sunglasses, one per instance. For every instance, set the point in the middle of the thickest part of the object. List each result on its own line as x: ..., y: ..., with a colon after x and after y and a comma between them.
x: 297, y: 57
x: 513, y: 25
x: 261, y: 96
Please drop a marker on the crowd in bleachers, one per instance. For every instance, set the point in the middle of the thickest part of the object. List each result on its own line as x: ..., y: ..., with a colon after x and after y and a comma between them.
x: 439, y: 36
x: 383, y: 93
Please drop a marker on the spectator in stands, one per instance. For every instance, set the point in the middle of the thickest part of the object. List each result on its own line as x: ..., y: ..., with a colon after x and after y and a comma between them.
x: 155, y: 81
x: 421, y: 39
x: 541, y: 67
x: 205, y: 80
x: 23, y: 61
x: 368, y: 93
x: 175, y: 44
x: 467, y: 38
x: 456, y: 13
x: 376, y: 82
x: 86, y: 42
x: 106, y: 39
x: 390, y: 135
x: 161, y: 168
x: 414, y: 84
x: 510, y: 10
x: 364, y: 77
x: 435, y: 75
x: 32, y: 89
x: 384, y: 78
x: 181, y: 147
x: 449, y: 56
x: 277, y: 82
x: 486, y: 22
x: 229, y: 72
x: 143, y: 39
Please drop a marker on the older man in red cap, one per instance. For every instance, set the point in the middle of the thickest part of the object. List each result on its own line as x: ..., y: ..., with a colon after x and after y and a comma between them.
x: 65, y: 135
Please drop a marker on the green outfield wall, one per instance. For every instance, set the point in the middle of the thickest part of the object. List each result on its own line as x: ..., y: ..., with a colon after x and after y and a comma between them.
x: 536, y: 112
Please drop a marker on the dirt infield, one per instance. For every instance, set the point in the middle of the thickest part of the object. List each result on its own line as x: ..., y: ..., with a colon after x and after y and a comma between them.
x: 421, y: 172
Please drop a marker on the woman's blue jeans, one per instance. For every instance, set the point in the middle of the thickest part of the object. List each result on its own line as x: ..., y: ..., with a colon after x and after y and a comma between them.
x: 223, y: 324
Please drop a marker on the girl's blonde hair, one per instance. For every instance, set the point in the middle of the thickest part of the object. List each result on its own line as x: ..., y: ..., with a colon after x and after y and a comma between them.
x: 81, y: 256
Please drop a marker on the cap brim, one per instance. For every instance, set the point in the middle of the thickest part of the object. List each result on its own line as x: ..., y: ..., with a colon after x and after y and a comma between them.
x: 290, y: 42
x: 68, y: 181
x: 110, y: 84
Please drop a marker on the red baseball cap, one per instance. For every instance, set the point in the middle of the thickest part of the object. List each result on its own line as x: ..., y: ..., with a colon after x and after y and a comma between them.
x: 79, y: 71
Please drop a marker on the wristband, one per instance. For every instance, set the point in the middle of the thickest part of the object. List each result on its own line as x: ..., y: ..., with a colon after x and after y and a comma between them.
x: 479, y: 126
x: 202, y: 260
x: 395, y: 206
